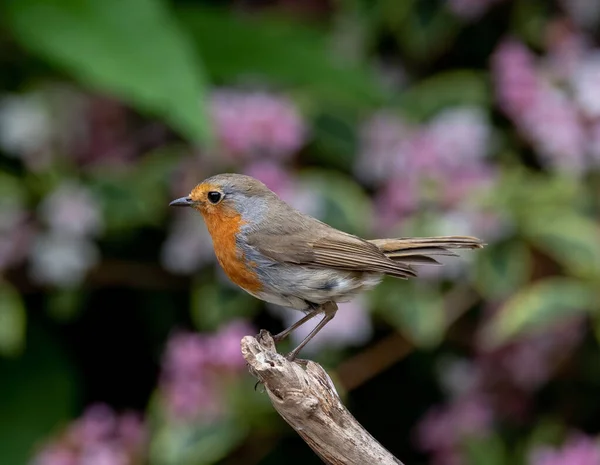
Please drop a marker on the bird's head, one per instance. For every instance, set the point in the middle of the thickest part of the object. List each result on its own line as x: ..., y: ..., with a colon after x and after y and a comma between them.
x: 227, y: 195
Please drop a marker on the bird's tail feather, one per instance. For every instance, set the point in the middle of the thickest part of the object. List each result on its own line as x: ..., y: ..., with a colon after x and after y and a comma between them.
x: 417, y: 250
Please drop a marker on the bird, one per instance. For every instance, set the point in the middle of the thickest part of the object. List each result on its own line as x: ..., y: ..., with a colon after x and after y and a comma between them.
x: 285, y: 257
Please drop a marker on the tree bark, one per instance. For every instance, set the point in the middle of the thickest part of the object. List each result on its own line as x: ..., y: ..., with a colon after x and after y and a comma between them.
x: 304, y: 395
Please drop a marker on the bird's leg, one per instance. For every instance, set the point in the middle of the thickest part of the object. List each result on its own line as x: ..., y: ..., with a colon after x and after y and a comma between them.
x: 329, y: 309
x: 286, y: 332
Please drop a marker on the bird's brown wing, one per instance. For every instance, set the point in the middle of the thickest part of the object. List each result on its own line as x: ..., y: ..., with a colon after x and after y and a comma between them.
x: 318, y: 245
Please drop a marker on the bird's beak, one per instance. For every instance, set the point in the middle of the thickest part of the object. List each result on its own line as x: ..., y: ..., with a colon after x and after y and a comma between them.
x: 182, y: 202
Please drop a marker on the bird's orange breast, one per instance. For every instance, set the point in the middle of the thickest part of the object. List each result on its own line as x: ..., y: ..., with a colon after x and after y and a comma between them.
x: 224, y: 230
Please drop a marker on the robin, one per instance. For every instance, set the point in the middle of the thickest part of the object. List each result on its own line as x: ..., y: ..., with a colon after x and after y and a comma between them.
x: 282, y: 256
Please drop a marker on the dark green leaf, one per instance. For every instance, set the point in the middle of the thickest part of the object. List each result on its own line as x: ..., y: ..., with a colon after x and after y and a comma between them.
x: 280, y: 51
x: 538, y: 306
x: 37, y: 395
x: 345, y: 204
x: 449, y: 88
x: 12, y: 321
x: 416, y: 310
x: 189, y: 444
x: 573, y: 240
x: 502, y: 269
x: 130, y: 48
x: 488, y: 450
x: 213, y: 304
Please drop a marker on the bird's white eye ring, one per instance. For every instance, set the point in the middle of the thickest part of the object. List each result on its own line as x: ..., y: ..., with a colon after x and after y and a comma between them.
x: 214, y: 197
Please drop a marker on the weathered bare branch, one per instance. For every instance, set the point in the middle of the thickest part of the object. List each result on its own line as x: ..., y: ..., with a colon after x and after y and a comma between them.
x: 305, y: 397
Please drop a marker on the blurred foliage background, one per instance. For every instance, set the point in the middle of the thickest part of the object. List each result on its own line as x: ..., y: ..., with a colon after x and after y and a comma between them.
x: 119, y: 336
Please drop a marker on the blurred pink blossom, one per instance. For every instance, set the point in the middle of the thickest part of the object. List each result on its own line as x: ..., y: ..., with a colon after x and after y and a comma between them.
x: 196, y: 366
x: 72, y: 209
x: 462, y: 136
x: 528, y: 362
x: 444, y: 428
x: 470, y: 9
x: 383, y: 142
x: 577, y: 450
x: 351, y: 326
x: 98, y: 437
x: 544, y: 113
x: 257, y: 123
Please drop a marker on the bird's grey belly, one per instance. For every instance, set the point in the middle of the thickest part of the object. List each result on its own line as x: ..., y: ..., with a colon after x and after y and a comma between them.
x: 293, y: 285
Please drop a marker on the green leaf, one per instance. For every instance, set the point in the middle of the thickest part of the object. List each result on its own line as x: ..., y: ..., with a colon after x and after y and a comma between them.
x: 502, y: 269
x: 137, y: 197
x: 417, y: 311
x: 189, y: 444
x: 538, y: 306
x: 213, y: 304
x: 488, y: 450
x: 446, y: 89
x: 37, y: 395
x: 573, y: 241
x: 12, y: 321
x: 345, y: 205
x: 133, y: 49
x: 282, y: 52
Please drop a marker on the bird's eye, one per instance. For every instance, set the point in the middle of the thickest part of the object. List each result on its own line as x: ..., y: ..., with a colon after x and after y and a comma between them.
x: 214, y: 197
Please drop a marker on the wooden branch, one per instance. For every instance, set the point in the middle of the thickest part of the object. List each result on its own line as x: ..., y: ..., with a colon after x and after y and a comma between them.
x: 305, y: 397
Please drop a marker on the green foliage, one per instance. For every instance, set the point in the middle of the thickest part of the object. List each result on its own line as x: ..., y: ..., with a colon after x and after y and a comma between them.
x: 416, y: 311
x: 279, y: 51
x: 203, y: 444
x: 501, y: 269
x: 12, y: 321
x: 449, y: 88
x: 538, y: 306
x: 213, y: 304
x: 133, y: 49
x: 38, y: 393
x: 571, y: 239
x: 133, y: 198
x: 345, y: 203
x: 487, y: 450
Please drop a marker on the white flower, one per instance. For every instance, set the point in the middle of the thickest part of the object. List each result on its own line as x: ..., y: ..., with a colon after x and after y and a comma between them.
x: 72, y: 209
x: 461, y: 135
x: 586, y: 85
x: 188, y: 245
x: 25, y: 125
x: 62, y: 260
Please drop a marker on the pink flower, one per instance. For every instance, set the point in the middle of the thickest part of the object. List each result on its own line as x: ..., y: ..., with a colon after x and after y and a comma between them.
x: 542, y: 112
x: 443, y: 428
x: 577, y: 450
x: 462, y: 137
x: 225, y: 344
x: 195, y: 369
x: 383, y: 142
x: 515, y: 75
x: 99, y: 437
x: 256, y: 123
